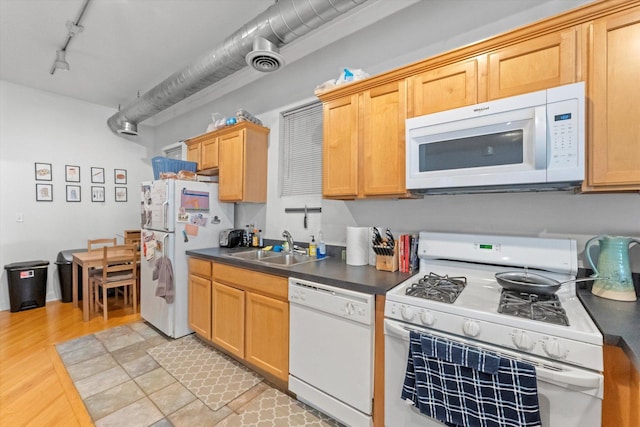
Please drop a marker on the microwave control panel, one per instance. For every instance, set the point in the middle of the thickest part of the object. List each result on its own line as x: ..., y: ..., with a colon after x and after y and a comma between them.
x: 563, y: 129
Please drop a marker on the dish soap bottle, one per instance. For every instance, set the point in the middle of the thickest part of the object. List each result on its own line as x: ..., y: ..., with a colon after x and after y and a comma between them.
x: 321, y: 252
x: 312, y: 247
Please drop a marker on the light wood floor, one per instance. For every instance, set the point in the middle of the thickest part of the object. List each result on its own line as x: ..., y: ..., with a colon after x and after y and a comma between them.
x: 35, y: 389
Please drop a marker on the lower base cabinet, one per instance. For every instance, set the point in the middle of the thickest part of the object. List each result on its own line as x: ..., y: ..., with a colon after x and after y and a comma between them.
x: 621, y: 404
x: 244, y: 313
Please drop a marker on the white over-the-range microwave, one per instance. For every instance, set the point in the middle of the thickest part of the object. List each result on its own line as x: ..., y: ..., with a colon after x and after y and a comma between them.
x: 534, y: 141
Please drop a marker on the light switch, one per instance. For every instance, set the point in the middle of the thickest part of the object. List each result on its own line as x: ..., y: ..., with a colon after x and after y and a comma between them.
x: 19, y: 217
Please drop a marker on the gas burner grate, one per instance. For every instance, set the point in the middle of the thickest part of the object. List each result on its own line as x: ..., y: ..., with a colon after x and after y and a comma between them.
x: 437, y: 288
x: 544, y: 308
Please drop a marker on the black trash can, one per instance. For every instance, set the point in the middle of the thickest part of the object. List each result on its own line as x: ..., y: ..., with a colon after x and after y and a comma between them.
x: 65, y: 271
x: 27, y: 284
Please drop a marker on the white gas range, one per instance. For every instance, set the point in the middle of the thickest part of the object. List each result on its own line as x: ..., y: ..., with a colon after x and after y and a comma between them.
x: 455, y: 295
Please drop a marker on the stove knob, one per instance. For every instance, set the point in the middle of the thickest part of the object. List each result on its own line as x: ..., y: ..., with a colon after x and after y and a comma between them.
x: 407, y: 313
x: 349, y: 308
x: 555, y: 349
x: 471, y: 328
x: 522, y: 341
x: 427, y: 318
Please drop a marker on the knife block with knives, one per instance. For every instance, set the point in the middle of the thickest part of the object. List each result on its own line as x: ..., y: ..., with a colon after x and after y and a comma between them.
x: 385, y: 249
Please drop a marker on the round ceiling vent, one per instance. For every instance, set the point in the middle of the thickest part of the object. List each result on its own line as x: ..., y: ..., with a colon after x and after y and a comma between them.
x: 128, y: 128
x: 265, y: 56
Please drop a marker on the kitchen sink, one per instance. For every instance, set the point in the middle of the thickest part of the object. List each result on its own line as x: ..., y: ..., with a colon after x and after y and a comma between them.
x: 278, y: 259
x: 254, y: 255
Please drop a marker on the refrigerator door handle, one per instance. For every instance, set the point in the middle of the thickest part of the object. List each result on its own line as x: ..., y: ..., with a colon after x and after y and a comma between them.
x: 164, y: 244
x: 165, y: 209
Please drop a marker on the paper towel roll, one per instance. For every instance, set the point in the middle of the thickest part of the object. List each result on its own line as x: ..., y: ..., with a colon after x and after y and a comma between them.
x: 357, y: 245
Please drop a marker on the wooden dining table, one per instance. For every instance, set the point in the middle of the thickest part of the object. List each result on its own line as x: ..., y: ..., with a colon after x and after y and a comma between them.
x: 88, y: 260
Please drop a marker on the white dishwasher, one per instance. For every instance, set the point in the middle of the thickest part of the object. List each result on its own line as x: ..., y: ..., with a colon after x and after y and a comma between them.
x: 331, y: 336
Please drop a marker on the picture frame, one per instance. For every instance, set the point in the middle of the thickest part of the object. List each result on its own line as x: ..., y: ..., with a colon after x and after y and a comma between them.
x: 73, y: 193
x: 44, y: 192
x: 120, y: 176
x: 43, y: 172
x: 121, y: 194
x: 97, y: 175
x: 71, y: 173
x: 97, y: 194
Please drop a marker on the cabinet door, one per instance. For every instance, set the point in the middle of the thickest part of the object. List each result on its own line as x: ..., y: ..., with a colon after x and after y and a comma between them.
x: 209, y: 153
x: 193, y: 154
x: 267, y: 338
x: 444, y: 88
x: 383, y: 146
x: 620, y: 407
x: 532, y: 65
x: 227, y: 328
x: 200, y: 305
x: 231, y: 163
x: 614, y: 113
x: 340, y: 148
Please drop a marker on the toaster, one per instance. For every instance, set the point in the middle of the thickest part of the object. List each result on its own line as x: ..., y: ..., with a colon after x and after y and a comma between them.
x: 230, y: 238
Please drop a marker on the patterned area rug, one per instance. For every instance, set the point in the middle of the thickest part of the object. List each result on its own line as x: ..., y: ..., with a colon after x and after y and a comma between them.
x: 134, y: 376
x: 213, y: 377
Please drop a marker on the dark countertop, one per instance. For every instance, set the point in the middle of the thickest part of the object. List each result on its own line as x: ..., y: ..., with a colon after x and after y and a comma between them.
x: 619, y: 322
x: 330, y: 271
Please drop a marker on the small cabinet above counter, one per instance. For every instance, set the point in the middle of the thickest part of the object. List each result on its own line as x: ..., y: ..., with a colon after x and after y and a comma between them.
x: 238, y: 155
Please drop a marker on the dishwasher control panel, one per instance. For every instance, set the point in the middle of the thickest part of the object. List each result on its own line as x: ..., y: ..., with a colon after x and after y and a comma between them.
x: 355, y: 306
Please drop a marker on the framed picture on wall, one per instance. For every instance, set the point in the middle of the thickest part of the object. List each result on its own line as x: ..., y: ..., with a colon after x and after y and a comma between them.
x: 120, y: 176
x: 72, y: 173
x: 97, y: 194
x: 44, y: 192
x: 97, y: 175
x: 43, y: 172
x: 121, y: 194
x: 73, y: 193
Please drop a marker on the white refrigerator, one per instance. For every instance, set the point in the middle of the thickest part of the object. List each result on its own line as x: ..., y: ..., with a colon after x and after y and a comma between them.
x: 176, y: 216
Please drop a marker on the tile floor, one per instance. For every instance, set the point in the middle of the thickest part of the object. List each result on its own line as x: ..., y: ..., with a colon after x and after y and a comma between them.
x: 133, y: 376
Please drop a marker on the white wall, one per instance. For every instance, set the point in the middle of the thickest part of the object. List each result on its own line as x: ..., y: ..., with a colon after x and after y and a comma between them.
x: 420, y: 31
x: 37, y: 126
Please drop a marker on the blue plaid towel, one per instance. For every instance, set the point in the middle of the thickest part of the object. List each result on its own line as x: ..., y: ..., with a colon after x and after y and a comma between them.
x: 461, y: 385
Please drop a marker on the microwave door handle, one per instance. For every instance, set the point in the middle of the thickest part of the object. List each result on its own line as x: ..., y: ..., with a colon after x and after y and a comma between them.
x: 540, y: 135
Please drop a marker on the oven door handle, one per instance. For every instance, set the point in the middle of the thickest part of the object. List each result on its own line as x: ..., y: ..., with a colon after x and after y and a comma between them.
x: 573, y: 377
x: 576, y: 378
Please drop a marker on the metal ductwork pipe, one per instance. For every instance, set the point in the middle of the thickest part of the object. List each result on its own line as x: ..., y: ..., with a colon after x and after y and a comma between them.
x: 281, y: 23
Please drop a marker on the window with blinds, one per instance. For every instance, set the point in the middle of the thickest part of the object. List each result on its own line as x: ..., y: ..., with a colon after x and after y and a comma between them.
x: 301, y: 151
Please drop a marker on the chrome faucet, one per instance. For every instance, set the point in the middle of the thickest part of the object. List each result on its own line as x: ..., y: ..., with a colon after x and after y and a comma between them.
x: 289, y: 238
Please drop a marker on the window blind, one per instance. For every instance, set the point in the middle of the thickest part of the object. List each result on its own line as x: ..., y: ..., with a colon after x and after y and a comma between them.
x: 301, y: 153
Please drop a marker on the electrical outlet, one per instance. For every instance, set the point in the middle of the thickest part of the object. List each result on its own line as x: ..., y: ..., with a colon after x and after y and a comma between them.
x: 19, y: 217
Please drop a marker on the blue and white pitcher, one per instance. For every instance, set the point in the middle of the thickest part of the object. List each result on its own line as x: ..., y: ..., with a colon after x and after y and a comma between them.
x: 613, y: 263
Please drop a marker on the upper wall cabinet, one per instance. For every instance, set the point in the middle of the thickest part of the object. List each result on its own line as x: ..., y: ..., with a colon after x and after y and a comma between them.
x: 242, y: 155
x: 203, y: 150
x: 363, y: 148
x: 613, y: 86
x: 238, y: 154
x: 532, y: 65
x: 445, y: 87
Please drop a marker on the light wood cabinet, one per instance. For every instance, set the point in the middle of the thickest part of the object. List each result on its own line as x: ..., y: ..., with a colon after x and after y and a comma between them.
x: 621, y: 404
x: 446, y: 87
x: 363, y: 148
x: 242, y: 154
x: 251, y: 318
x: 532, y: 65
x: 203, y: 149
x: 613, y: 89
x: 340, y: 148
x: 267, y: 334
x: 227, y: 329
x: 200, y: 297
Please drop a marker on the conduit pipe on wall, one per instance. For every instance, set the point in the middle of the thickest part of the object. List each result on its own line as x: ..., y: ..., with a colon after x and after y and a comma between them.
x: 281, y: 23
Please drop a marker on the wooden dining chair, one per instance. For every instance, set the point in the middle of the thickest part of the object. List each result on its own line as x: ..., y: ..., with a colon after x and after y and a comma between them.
x: 95, y: 244
x: 135, y: 240
x: 119, y: 270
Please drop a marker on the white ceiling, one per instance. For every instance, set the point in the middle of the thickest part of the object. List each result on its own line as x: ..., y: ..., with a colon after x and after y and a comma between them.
x: 128, y: 46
